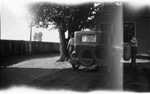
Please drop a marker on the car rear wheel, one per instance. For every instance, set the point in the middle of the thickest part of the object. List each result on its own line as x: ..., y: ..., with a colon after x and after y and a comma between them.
x: 100, y: 53
x: 85, y: 56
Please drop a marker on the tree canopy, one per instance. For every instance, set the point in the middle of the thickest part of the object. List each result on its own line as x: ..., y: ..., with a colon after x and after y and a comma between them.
x: 62, y: 16
x: 38, y: 36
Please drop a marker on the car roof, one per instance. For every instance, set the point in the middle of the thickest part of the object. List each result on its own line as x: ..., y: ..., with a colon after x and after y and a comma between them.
x: 87, y: 32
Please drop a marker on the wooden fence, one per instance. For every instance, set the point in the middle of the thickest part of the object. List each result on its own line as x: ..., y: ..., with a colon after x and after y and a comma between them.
x: 13, y: 47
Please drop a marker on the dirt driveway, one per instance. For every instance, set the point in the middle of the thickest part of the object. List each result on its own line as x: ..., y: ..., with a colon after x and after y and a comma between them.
x: 43, y: 72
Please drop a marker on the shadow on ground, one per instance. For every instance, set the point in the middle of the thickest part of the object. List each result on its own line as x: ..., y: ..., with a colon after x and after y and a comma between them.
x: 137, y: 80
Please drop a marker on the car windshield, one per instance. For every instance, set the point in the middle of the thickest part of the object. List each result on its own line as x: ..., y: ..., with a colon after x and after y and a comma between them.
x: 88, y: 38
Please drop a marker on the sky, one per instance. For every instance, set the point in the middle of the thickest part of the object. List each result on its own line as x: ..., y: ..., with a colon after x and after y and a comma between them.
x: 15, y: 27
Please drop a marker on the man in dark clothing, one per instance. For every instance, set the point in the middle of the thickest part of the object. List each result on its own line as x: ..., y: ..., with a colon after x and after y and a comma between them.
x: 133, y: 51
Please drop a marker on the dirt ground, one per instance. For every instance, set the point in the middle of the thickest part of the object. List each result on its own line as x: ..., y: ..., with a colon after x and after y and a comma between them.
x: 43, y: 72
x: 137, y: 80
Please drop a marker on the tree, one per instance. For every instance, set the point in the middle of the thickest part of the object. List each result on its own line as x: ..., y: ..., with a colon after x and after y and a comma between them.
x: 69, y: 18
x: 38, y: 36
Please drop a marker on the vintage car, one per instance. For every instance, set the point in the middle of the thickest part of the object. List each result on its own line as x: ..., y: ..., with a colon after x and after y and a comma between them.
x: 90, y: 48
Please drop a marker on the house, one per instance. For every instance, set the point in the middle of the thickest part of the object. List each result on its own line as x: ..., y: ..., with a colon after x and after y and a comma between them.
x: 123, y: 21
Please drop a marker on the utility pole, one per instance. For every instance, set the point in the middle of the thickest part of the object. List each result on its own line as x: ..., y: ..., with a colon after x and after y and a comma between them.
x: 30, y: 44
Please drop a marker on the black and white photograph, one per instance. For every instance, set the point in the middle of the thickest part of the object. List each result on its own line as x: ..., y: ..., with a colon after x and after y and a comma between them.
x: 77, y: 46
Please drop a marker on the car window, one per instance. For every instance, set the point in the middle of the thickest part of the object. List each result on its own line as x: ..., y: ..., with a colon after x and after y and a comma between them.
x: 88, y: 38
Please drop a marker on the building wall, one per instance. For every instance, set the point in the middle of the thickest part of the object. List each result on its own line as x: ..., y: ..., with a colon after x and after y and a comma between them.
x: 112, y: 14
x: 141, y: 18
x: 116, y: 29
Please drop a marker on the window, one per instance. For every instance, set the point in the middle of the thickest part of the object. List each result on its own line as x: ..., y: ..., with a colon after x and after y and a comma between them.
x: 88, y: 38
x: 129, y: 32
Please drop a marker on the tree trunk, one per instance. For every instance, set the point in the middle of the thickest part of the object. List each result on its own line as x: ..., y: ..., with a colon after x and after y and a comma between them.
x: 63, y: 46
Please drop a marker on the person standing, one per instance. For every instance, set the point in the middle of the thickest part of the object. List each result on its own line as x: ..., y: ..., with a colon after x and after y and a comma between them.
x: 133, y: 52
x: 70, y: 45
